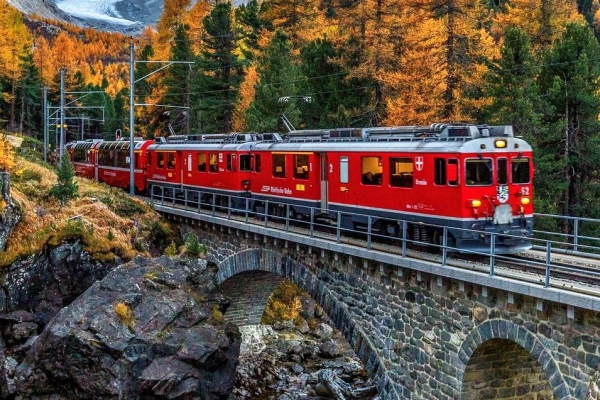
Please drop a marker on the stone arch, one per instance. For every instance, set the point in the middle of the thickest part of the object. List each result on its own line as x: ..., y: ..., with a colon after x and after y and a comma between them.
x: 260, y: 259
x: 513, y: 338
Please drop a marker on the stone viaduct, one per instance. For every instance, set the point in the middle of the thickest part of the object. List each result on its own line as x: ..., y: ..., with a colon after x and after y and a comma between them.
x: 423, y: 331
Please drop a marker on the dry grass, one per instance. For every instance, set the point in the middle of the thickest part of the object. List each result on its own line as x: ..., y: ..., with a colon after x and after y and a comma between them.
x: 106, y: 231
x: 125, y: 314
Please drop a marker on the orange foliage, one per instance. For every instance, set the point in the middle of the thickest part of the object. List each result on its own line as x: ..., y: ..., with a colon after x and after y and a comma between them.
x: 246, y: 95
x: 7, y: 154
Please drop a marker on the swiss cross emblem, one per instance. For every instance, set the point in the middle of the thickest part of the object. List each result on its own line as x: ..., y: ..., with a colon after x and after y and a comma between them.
x: 419, y: 163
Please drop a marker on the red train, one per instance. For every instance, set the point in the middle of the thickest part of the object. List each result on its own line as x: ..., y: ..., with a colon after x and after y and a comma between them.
x: 474, y: 180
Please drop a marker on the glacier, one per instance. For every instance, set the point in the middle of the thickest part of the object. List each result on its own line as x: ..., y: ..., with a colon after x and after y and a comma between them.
x: 101, y: 10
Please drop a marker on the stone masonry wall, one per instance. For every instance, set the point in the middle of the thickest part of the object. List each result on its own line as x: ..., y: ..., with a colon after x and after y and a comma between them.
x: 423, y: 336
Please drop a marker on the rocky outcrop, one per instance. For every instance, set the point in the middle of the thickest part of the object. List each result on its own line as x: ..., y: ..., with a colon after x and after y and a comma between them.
x: 46, y: 282
x: 10, y: 214
x: 43, y: 8
x: 150, y: 329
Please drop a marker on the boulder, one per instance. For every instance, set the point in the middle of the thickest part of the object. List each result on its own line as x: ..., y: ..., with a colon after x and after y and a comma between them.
x: 148, y: 330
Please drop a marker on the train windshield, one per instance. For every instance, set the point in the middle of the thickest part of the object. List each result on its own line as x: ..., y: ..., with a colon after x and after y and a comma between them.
x: 521, y: 170
x: 479, y: 172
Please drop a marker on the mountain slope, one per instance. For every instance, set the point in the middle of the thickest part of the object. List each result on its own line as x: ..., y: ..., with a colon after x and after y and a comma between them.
x: 43, y: 8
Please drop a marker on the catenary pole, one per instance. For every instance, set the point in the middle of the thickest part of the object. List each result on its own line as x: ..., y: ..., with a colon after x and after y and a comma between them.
x: 62, y: 115
x: 131, y: 116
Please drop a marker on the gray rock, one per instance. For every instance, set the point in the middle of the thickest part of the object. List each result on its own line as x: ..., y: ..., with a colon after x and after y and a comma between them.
x: 161, y: 344
x: 10, y: 215
x: 323, y: 331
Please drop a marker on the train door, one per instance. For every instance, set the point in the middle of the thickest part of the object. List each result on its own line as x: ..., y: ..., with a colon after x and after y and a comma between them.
x: 324, y: 182
x: 187, y: 167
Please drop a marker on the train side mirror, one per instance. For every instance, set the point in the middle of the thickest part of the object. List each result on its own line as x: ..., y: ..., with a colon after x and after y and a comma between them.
x: 452, y: 173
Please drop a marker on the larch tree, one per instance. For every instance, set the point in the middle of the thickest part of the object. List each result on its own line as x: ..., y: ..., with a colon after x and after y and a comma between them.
x: 297, y: 18
x: 372, y: 35
x: 7, y: 154
x: 173, y: 15
x: 542, y: 20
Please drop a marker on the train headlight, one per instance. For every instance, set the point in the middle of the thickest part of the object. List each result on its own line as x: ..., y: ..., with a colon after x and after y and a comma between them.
x: 474, y: 203
x: 525, y: 201
x: 500, y: 144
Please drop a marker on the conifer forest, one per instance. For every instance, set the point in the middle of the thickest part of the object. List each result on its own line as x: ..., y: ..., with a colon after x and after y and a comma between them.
x: 210, y: 67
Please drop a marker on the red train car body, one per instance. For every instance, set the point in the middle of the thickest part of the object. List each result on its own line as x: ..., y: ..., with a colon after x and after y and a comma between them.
x: 472, y: 180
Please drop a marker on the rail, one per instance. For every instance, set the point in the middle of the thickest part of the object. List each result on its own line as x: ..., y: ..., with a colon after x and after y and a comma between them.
x: 552, y: 270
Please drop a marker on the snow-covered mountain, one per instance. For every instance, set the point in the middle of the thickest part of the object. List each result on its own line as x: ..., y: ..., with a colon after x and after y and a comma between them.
x: 127, y: 16
x: 117, y: 15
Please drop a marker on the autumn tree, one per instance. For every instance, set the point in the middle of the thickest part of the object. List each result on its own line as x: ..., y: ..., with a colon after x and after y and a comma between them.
x: 541, y: 20
x: 7, y: 154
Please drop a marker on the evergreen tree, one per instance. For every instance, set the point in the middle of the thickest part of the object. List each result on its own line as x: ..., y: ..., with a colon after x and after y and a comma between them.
x: 176, y: 83
x: 143, y: 90
x: 278, y: 76
x: 219, y: 71
x: 248, y: 17
x: 28, y: 97
x: 335, y: 100
x: 66, y: 188
x: 569, y: 151
x: 511, y: 88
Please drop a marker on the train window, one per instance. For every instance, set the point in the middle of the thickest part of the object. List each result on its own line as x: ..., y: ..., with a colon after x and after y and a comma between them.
x: 502, y: 171
x: 440, y: 171
x: 160, y: 160
x: 213, y: 161
x: 452, y: 173
x: 123, y: 158
x: 371, y: 170
x: 401, y: 172
x: 279, y: 165
x: 344, y: 169
x: 479, y: 172
x: 230, y: 162
x: 521, y: 170
x: 301, y: 166
x: 257, y: 162
x: 201, y: 162
x: 245, y: 162
x: 170, y: 160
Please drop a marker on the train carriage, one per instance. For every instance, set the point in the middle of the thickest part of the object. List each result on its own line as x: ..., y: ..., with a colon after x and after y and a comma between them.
x: 82, y: 157
x: 210, y: 169
x: 112, y: 160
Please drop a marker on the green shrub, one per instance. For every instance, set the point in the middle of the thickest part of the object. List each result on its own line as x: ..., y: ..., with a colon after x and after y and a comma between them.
x: 193, y: 248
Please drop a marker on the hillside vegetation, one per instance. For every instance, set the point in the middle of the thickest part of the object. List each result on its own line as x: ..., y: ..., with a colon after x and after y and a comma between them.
x: 106, y: 220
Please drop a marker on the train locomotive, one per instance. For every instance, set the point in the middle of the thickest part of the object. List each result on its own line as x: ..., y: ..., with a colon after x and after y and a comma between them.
x: 473, y: 181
